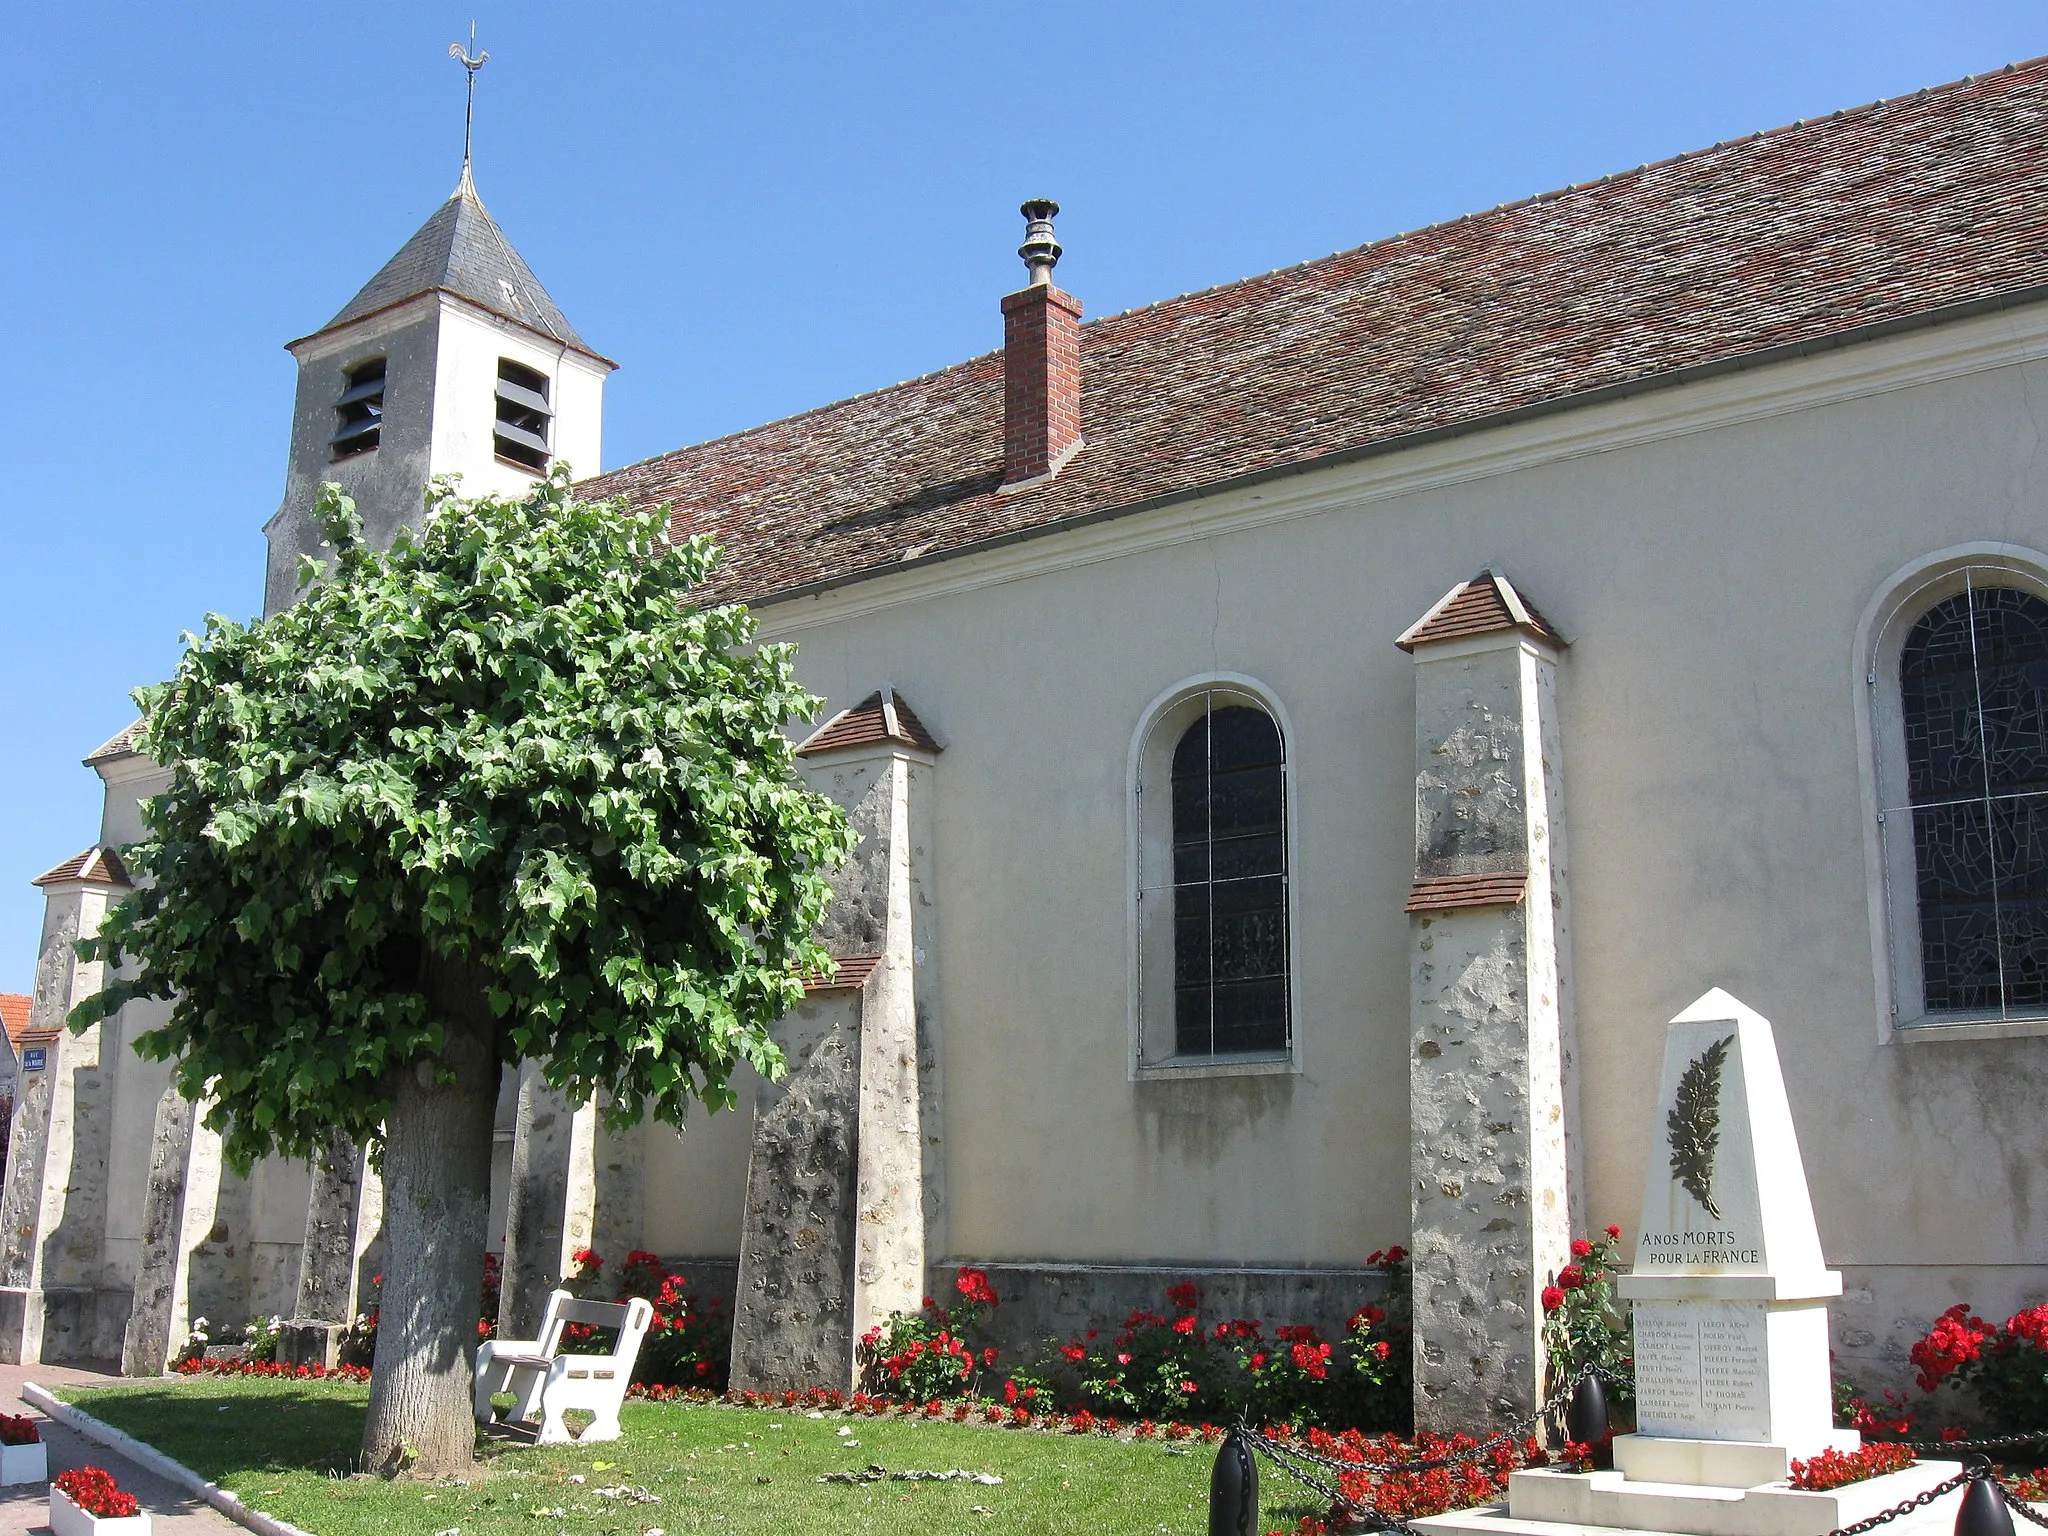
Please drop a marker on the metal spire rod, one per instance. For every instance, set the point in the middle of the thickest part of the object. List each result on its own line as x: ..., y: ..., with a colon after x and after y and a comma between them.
x: 472, y: 65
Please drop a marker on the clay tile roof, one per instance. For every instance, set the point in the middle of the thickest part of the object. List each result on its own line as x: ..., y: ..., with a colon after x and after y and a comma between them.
x: 14, y: 1008
x: 120, y: 745
x: 1806, y: 236
x: 852, y: 974
x: 1485, y: 605
x: 1451, y: 893
x: 95, y: 866
x: 873, y: 719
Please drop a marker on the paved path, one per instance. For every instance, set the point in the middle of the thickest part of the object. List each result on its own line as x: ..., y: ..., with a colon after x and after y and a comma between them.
x: 25, y: 1508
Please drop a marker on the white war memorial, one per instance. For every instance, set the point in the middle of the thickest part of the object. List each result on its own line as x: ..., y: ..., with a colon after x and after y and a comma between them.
x: 1730, y: 1298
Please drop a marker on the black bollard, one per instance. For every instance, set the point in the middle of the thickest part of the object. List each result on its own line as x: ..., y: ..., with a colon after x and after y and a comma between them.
x: 1234, y: 1490
x: 1585, y: 1416
x: 1983, y: 1511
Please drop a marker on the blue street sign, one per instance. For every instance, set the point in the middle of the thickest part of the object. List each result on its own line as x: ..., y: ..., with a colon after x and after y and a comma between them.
x: 32, y: 1061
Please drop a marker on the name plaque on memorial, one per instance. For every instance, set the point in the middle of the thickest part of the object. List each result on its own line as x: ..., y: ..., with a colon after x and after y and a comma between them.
x: 1701, y: 1370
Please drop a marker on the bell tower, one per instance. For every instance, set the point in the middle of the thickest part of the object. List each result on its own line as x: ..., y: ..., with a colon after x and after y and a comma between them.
x: 451, y: 360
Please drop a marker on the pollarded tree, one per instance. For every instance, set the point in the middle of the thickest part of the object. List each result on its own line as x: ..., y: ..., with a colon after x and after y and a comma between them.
x: 502, y: 791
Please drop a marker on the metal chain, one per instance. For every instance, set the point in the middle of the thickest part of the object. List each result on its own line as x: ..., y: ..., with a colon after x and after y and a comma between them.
x: 2021, y: 1507
x: 1513, y: 1433
x: 1918, y: 1501
x: 1995, y: 1443
x: 1330, y: 1496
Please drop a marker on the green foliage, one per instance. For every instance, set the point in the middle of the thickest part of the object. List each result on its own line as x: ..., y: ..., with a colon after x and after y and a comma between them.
x: 510, y: 741
x: 259, y: 1338
x: 1586, y: 1323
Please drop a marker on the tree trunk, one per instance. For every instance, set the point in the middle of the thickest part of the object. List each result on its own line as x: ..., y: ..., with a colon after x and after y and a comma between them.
x: 437, y: 1196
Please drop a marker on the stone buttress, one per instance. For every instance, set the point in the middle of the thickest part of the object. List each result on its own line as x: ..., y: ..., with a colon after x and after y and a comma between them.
x: 54, y: 1303
x: 842, y: 1209
x: 1492, y: 1100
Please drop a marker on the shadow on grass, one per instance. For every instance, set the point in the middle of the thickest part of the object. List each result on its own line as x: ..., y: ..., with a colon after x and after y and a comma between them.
x: 280, y: 1429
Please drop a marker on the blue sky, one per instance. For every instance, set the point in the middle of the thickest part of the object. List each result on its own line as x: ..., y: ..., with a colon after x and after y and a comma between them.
x: 754, y: 209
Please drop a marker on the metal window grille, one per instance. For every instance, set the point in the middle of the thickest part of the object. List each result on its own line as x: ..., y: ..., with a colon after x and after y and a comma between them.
x: 1227, y: 884
x: 524, y: 416
x: 1973, y: 703
x: 360, y: 411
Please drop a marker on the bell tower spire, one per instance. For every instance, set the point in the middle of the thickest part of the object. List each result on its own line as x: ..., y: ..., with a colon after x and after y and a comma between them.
x: 470, y: 66
x: 452, y: 360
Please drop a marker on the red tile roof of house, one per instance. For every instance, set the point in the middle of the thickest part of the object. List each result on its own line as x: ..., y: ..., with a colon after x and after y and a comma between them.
x: 872, y: 720
x: 851, y: 975
x: 14, y: 1009
x: 1485, y: 605
x: 1802, y: 237
x: 95, y: 866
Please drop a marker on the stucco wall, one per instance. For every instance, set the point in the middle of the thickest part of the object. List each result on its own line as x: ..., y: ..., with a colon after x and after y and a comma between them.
x: 1711, y: 579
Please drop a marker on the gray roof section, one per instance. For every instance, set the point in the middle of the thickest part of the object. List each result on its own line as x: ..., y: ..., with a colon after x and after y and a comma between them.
x: 461, y: 250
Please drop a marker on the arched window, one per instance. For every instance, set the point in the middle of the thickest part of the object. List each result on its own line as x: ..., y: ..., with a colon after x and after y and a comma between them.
x: 1229, y: 885
x: 1973, y: 704
x: 1214, y: 968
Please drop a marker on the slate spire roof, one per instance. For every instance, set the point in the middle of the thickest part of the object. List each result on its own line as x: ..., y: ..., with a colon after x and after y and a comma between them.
x: 1826, y: 232
x: 461, y: 250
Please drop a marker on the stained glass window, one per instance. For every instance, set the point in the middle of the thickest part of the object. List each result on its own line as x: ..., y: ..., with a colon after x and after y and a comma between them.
x: 1973, y: 691
x: 1230, y: 885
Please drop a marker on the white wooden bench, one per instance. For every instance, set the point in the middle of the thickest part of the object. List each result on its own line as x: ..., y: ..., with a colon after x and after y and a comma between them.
x: 544, y: 1379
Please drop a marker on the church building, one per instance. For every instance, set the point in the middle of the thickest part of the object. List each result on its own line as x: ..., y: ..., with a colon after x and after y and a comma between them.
x: 1307, y: 738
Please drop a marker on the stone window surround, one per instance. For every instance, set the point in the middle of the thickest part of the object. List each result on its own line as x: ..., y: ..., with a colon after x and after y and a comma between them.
x: 1891, y: 875
x: 1149, y: 849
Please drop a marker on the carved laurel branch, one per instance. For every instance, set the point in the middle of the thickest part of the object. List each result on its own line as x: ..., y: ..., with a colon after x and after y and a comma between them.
x: 1694, y: 1124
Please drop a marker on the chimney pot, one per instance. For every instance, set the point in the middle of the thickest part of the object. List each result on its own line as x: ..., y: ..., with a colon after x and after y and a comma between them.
x: 1040, y: 250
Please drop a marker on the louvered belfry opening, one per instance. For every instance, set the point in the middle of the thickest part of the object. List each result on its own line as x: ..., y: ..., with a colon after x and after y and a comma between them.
x: 524, y: 414
x: 361, y: 411
x: 1230, y: 884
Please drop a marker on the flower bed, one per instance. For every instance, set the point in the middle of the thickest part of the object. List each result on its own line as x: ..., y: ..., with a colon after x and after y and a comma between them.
x: 23, y: 1458
x: 1168, y: 1366
x: 1835, y: 1469
x: 86, y: 1501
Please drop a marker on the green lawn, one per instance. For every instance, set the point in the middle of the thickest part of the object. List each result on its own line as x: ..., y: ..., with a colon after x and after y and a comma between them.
x: 286, y: 1447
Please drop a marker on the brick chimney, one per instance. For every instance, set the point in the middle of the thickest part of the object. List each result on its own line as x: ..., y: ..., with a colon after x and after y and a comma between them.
x: 1041, y: 362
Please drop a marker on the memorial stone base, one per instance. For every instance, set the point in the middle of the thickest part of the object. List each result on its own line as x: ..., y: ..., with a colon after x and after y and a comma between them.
x: 1543, y: 1502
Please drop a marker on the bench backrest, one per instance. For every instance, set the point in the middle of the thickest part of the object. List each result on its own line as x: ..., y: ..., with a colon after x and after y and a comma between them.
x: 630, y: 1318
